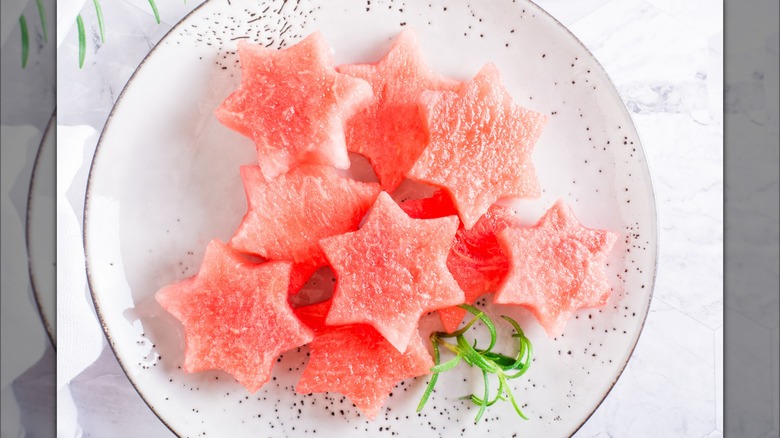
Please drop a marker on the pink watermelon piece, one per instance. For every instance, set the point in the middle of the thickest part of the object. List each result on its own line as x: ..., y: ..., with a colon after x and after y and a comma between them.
x: 288, y: 216
x: 313, y: 315
x: 476, y: 260
x: 556, y: 267
x: 235, y: 316
x: 293, y: 104
x: 390, y: 131
x: 392, y: 271
x: 438, y: 205
x: 357, y: 361
x: 301, y: 273
x: 480, y: 145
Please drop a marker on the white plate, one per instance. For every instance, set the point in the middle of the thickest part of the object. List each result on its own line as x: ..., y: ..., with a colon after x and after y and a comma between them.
x: 40, y: 229
x: 165, y: 181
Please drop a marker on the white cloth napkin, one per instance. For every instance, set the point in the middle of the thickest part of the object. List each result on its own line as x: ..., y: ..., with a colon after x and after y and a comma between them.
x: 19, y: 314
x: 80, y: 338
x: 79, y: 334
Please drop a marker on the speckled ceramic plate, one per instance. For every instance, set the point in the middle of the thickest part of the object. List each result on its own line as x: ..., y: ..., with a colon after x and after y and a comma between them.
x: 165, y: 181
x: 40, y: 230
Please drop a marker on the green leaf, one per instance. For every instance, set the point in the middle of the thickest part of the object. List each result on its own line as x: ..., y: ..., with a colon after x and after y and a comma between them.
x: 99, y: 13
x: 154, y: 9
x: 514, y: 403
x: 483, y: 405
x: 42, y: 16
x: 506, y: 363
x: 485, y: 320
x: 450, y: 364
x: 472, y: 356
x: 25, y: 40
x: 462, y: 330
x: 434, y: 377
x: 82, y: 40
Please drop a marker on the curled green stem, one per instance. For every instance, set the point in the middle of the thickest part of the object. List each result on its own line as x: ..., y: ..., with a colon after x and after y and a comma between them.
x: 434, y: 377
x: 489, y: 362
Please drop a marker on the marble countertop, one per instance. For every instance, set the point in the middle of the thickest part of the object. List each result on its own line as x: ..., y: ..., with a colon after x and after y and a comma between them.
x: 665, y: 58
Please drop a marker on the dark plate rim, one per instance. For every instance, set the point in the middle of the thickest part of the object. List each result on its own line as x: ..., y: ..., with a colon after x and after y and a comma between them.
x: 50, y: 326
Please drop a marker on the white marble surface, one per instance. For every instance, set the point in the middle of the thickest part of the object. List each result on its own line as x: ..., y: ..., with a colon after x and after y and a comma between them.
x: 665, y: 58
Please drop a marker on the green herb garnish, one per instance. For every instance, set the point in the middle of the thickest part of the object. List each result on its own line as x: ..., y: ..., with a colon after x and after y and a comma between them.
x: 82, y: 40
x: 42, y: 16
x: 25, y: 40
x: 99, y: 13
x: 504, y: 367
x: 154, y: 9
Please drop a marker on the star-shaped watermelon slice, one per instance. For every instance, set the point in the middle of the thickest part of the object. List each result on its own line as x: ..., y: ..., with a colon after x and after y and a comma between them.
x: 476, y: 260
x: 556, y: 267
x: 392, y: 271
x: 293, y: 104
x: 235, y: 315
x: 355, y: 360
x: 480, y: 145
x: 390, y: 131
x: 288, y: 216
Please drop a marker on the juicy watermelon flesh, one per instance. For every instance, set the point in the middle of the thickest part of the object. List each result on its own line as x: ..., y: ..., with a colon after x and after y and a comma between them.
x: 556, y: 267
x: 293, y: 104
x: 390, y: 131
x: 235, y: 316
x: 314, y: 315
x: 476, y: 260
x: 357, y: 361
x: 288, y: 216
x: 480, y: 145
x: 301, y: 273
x: 392, y: 271
x: 438, y: 205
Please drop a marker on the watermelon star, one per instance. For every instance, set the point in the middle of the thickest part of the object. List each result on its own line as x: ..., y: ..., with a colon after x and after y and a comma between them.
x: 476, y: 260
x: 392, y: 271
x: 556, y: 267
x: 390, y: 131
x: 235, y: 315
x: 480, y: 145
x: 293, y: 104
x: 355, y: 360
x: 288, y: 216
